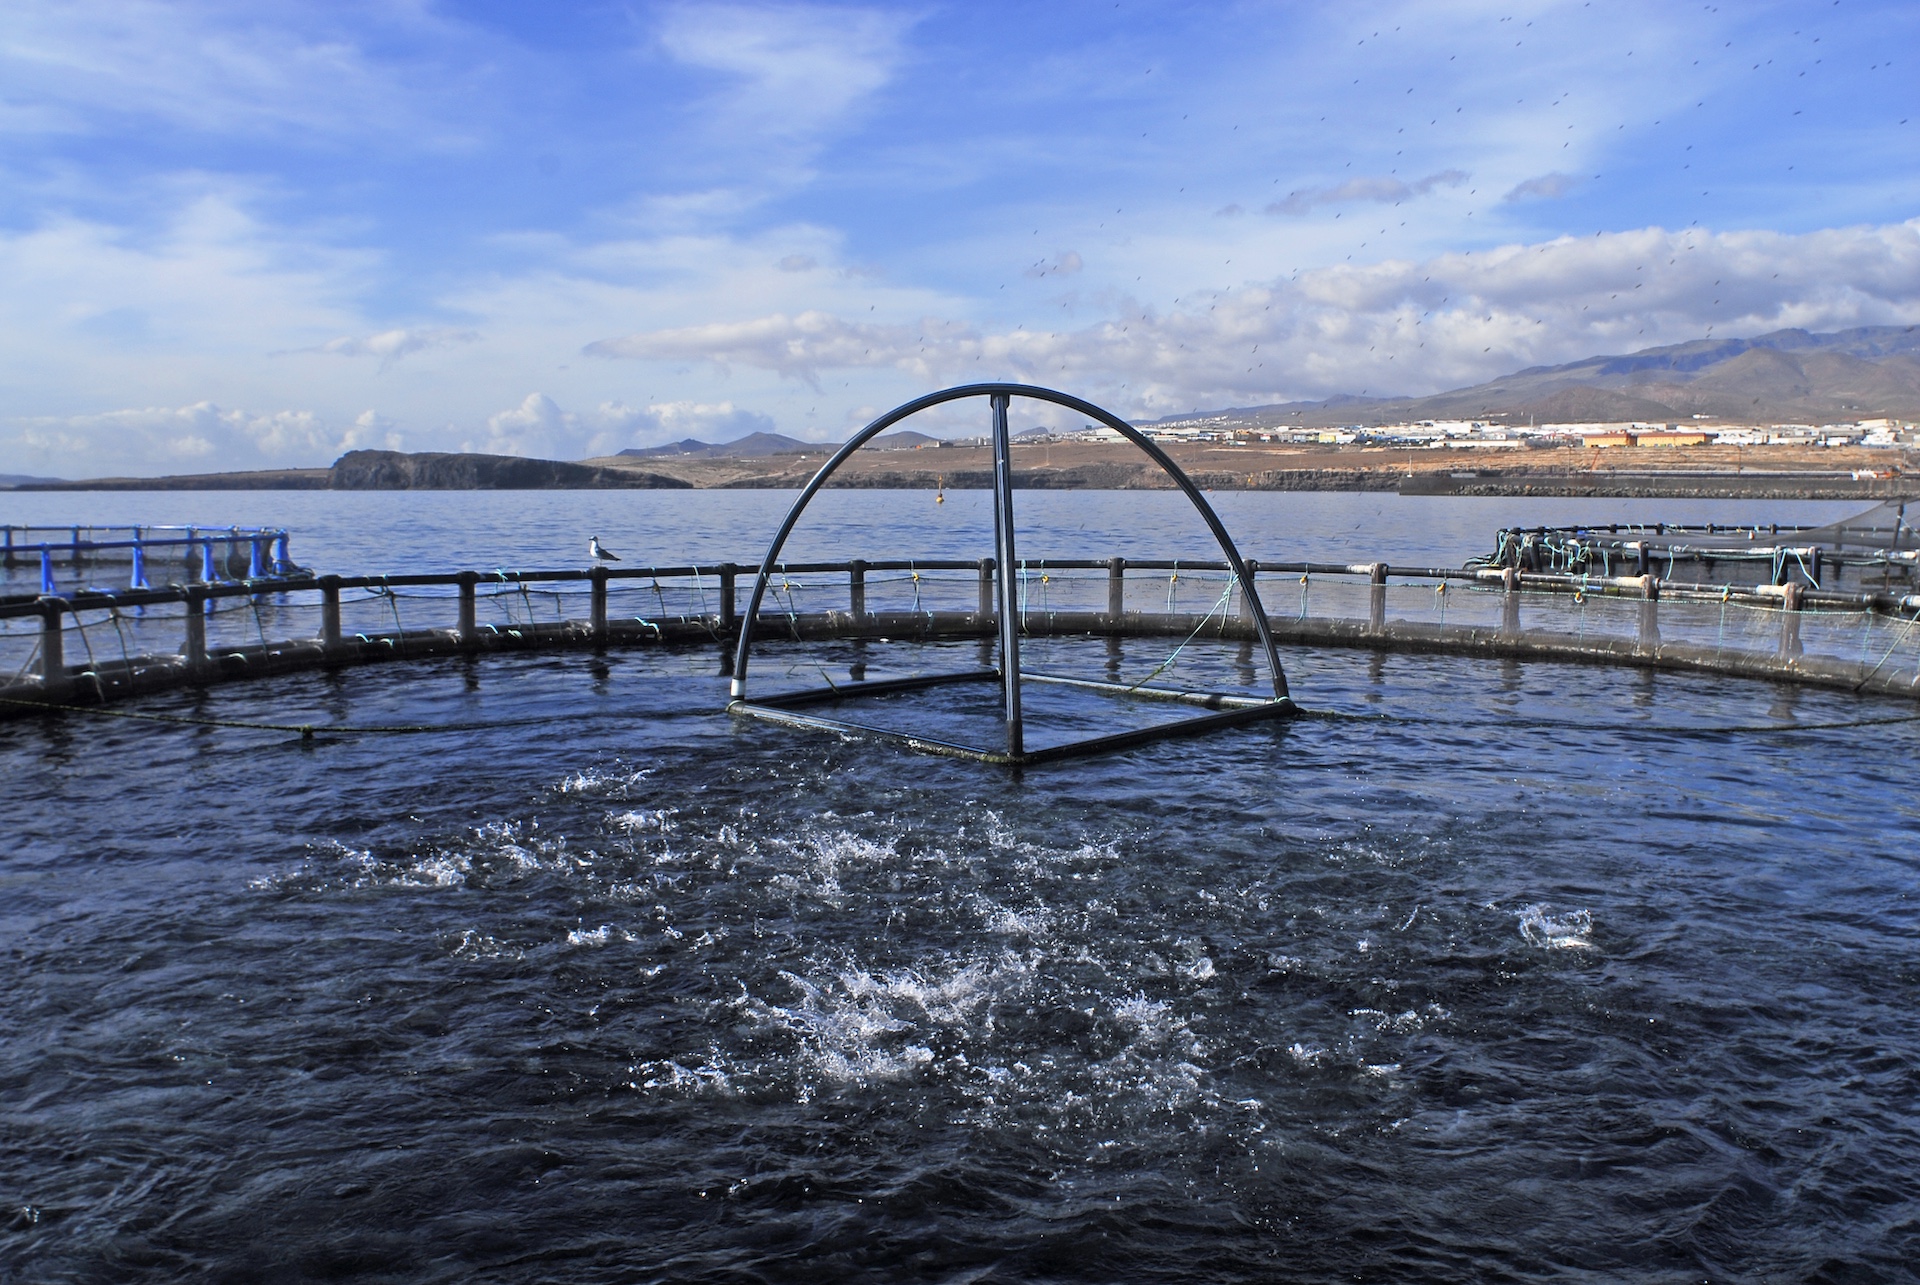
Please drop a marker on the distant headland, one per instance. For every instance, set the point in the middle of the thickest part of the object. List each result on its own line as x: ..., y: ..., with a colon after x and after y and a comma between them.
x: 1784, y: 415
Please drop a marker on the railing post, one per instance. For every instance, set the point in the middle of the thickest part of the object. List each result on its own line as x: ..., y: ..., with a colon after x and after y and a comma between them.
x: 282, y: 564
x: 76, y: 548
x: 1377, y: 598
x: 857, y: 588
x: 256, y: 561
x: 330, y: 613
x: 1510, y: 602
x: 469, y: 623
x: 599, y: 577
x: 1116, y: 589
x: 53, y: 654
x: 1790, y: 619
x: 1246, y: 590
x: 46, y: 572
x: 986, y: 589
x: 1649, y: 614
x: 196, y: 644
x: 729, y: 612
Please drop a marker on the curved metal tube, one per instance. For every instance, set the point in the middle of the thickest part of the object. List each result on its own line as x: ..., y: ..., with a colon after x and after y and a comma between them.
x: 1068, y: 400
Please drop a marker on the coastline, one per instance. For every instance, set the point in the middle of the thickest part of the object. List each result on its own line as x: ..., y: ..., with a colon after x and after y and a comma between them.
x: 1701, y: 473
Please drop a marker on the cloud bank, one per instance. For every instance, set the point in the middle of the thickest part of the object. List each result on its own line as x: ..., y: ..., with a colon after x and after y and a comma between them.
x: 1395, y: 326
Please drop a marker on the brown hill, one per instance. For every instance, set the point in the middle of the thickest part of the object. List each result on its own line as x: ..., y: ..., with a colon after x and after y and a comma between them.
x: 1784, y: 377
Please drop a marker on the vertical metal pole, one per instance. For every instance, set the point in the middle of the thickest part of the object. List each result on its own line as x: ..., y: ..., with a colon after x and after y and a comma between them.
x: 1246, y: 596
x: 728, y: 611
x: 1510, y: 602
x: 599, y: 575
x: 196, y: 647
x: 1649, y: 639
x: 857, y: 588
x: 53, y: 657
x: 1116, y: 589
x: 76, y: 547
x: 469, y: 623
x: 1004, y: 556
x: 1377, y: 598
x: 330, y: 613
x: 1790, y: 620
x: 986, y: 584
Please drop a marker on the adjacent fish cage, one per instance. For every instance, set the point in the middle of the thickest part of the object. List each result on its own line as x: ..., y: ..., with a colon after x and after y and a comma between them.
x: 68, y: 559
x: 1876, y: 550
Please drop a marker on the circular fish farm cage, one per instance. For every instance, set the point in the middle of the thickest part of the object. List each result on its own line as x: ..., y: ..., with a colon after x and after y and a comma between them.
x: 1549, y: 914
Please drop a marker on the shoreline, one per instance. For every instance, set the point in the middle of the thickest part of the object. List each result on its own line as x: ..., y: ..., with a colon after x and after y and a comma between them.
x: 1640, y: 473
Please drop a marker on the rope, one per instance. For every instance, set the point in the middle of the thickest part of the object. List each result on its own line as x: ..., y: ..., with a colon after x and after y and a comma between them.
x: 1890, y: 650
x: 1168, y: 663
x: 308, y: 731
x: 1753, y: 729
x: 87, y: 642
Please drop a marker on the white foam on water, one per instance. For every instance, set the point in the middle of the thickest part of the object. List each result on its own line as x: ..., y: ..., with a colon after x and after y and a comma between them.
x: 600, y: 936
x: 474, y: 944
x: 860, y: 1026
x: 644, y: 821
x: 1569, y: 931
x: 1308, y: 1054
x: 325, y: 860
x: 610, y: 783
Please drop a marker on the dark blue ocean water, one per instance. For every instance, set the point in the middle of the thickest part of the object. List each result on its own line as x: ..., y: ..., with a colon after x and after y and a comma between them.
x: 1491, y: 972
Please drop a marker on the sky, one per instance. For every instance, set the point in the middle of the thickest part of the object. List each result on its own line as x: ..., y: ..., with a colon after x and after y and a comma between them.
x: 260, y: 233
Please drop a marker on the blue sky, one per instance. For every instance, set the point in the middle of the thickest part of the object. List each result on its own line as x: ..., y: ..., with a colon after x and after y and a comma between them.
x: 259, y: 233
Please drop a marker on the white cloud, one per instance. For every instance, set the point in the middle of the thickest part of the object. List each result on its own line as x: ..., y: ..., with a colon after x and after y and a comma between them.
x: 1547, y: 186
x: 203, y: 437
x: 798, y: 347
x: 795, y: 71
x: 1396, y: 326
x: 391, y: 345
x: 87, y: 67
x: 1382, y: 188
x: 372, y: 431
x: 540, y: 428
x: 672, y: 421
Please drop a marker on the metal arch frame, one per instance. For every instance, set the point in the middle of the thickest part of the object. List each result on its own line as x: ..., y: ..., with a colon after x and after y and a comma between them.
x: 1230, y: 710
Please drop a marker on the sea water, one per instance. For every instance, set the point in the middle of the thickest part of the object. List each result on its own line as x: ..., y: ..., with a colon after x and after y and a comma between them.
x: 1485, y: 971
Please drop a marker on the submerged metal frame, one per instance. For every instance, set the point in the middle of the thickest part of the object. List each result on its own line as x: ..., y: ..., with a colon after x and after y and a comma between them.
x: 1228, y: 710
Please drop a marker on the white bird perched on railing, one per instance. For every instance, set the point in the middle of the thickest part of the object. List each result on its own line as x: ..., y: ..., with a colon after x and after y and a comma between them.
x: 599, y: 552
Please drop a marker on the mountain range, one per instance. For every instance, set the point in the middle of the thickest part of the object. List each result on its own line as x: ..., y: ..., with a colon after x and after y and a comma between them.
x: 1788, y: 376
x: 760, y: 445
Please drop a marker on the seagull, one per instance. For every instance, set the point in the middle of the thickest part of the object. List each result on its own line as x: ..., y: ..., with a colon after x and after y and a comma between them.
x: 600, y: 554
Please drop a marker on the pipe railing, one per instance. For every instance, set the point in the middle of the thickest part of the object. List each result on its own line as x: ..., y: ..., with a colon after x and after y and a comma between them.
x: 336, y: 642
